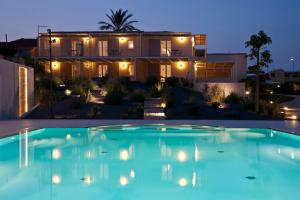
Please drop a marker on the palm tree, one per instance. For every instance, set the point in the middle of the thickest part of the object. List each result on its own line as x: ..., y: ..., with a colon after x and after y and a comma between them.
x: 258, y: 52
x: 118, y: 21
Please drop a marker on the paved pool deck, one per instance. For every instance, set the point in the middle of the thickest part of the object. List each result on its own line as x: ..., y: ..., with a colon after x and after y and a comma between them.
x: 11, y: 127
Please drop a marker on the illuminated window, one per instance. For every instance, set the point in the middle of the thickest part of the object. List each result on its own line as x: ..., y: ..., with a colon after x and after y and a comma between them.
x: 130, y: 44
x: 165, y: 72
x: 77, y: 48
x: 131, y: 70
x: 165, y: 47
x: 103, y: 48
x: 102, y: 70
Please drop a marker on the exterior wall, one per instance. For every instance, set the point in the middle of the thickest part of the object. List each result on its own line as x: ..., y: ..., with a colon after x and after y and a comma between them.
x: 239, y: 70
x: 281, y: 76
x: 146, y: 55
x: 238, y: 88
x: 278, y: 76
x: 182, y: 46
x: 9, y: 92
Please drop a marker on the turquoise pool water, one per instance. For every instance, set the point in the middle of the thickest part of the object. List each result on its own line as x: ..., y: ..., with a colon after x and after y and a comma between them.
x: 150, y: 162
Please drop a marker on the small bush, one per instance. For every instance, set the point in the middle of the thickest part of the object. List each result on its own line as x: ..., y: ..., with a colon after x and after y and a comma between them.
x: 248, y: 105
x: 138, y: 96
x: 169, y: 98
x: 215, y: 105
x: 117, y: 87
x: 268, y: 109
x: 233, y: 98
x: 94, y: 111
x: 155, y: 93
x: 190, y: 100
x: 113, y: 97
x: 170, y: 113
x: 185, y: 83
x: 83, y: 87
x: 151, y: 80
x: 173, y: 82
x: 76, y: 105
x: 193, y: 110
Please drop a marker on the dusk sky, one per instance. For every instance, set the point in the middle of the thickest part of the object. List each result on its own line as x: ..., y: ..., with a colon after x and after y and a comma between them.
x: 227, y: 23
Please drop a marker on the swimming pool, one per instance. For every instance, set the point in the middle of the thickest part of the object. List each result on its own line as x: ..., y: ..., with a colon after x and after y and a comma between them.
x: 150, y: 162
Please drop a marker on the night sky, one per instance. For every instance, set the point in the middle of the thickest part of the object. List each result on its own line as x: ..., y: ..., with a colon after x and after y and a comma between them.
x: 227, y: 23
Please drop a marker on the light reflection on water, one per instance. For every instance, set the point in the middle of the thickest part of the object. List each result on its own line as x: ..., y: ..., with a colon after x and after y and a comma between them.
x: 133, y: 158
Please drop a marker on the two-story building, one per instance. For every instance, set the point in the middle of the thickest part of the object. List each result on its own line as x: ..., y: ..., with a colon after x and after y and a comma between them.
x: 138, y: 55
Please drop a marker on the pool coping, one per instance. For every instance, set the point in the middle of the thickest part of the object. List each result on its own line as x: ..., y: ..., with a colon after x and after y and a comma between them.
x: 12, y: 127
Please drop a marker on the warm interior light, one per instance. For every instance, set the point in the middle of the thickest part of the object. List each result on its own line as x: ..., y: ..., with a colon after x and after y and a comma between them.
x: 130, y: 44
x: 56, y: 179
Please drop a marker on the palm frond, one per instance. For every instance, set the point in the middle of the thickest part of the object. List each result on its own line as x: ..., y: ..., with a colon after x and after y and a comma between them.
x: 118, y: 21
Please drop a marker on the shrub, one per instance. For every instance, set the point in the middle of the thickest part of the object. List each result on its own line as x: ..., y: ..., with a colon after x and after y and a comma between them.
x: 138, y: 96
x: 125, y: 83
x: 94, y: 111
x: 169, y: 98
x: 113, y: 97
x: 185, y: 83
x: 190, y: 100
x: 248, y: 105
x: 268, y: 109
x: 232, y: 98
x: 83, y: 87
x: 155, y: 93
x: 215, y: 105
x: 170, y: 113
x: 117, y: 87
x: 76, y: 105
x: 213, y: 93
x: 173, y: 81
x: 193, y: 110
x: 136, y: 108
x: 151, y: 80
x: 44, y: 82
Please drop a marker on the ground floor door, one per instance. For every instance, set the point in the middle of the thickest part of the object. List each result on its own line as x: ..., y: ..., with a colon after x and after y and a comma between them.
x: 165, y: 72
